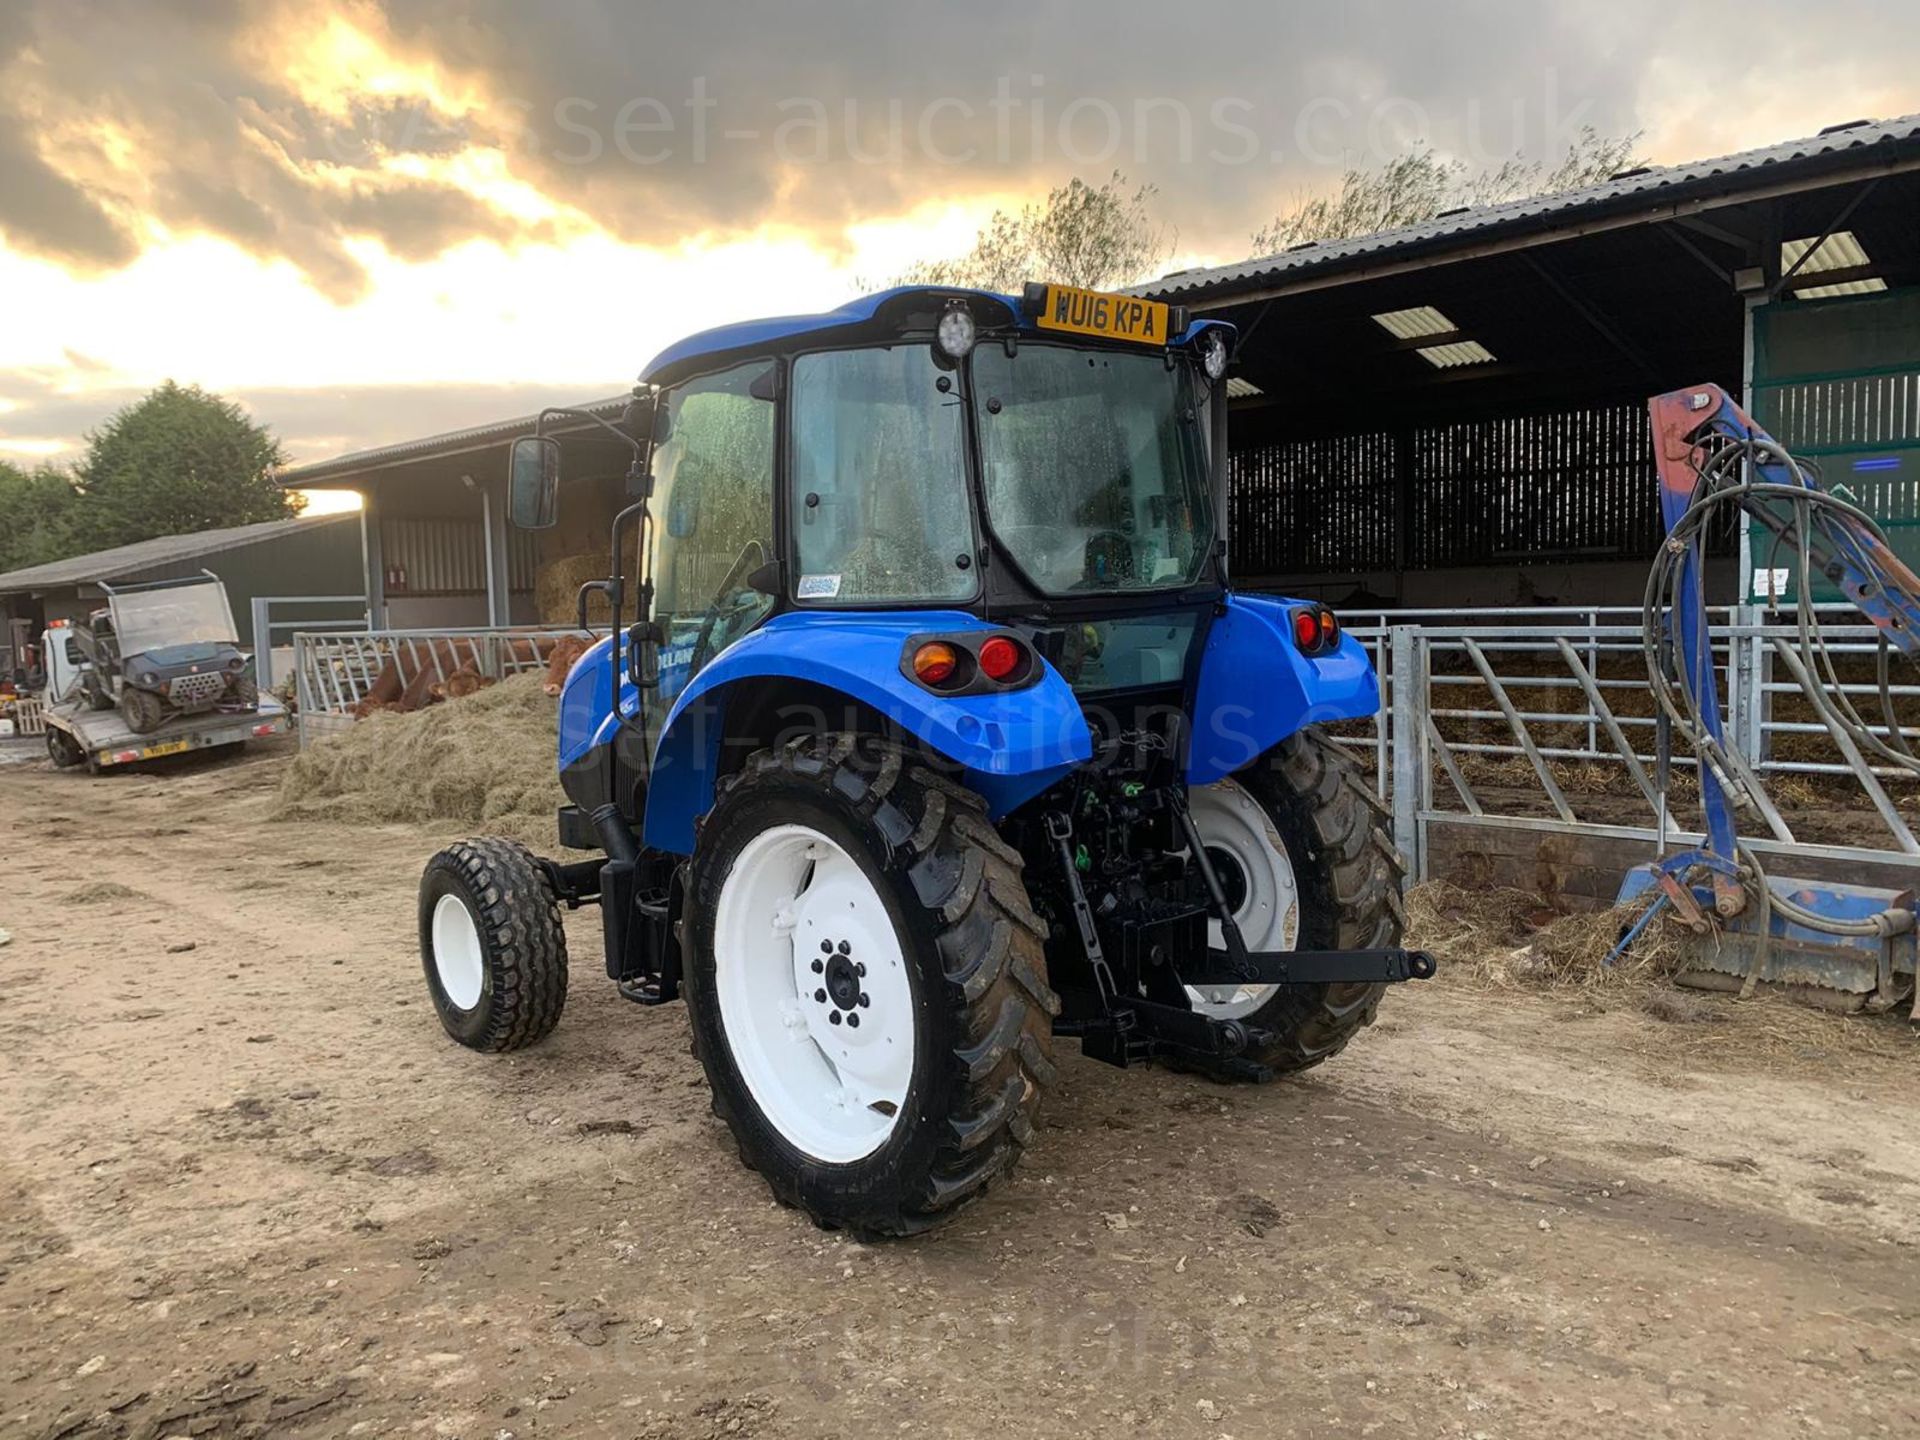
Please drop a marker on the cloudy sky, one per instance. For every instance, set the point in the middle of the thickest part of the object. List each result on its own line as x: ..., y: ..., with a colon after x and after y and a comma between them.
x: 373, y: 219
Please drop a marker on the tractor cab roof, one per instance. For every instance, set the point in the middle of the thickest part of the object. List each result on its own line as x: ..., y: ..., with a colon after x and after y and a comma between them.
x: 887, y: 312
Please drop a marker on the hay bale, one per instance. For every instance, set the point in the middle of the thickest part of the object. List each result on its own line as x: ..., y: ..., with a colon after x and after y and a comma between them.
x: 485, y: 763
x: 556, y: 589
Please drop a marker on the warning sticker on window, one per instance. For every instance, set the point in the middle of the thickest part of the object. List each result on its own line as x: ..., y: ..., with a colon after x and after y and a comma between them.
x: 819, y: 587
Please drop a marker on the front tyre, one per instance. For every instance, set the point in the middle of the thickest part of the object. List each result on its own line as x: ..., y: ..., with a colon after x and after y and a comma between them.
x: 866, y: 985
x: 1300, y: 841
x: 144, y: 711
x: 492, y: 945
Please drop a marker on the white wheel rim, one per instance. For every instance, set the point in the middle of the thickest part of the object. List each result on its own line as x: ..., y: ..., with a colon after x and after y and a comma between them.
x: 830, y: 1074
x: 1233, y: 825
x: 457, y: 959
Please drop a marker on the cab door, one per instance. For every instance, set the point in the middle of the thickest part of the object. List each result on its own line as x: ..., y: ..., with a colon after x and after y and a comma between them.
x: 712, y: 507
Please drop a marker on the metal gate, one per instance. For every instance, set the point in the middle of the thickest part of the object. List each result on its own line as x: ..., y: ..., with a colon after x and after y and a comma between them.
x: 1509, y: 734
x: 334, y: 671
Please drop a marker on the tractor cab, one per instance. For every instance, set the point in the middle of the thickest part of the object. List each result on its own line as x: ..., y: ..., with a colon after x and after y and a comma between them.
x: 1051, y: 465
x: 929, y: 727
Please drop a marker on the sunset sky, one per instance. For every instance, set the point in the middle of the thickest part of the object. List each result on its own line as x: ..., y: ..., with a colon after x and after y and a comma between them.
x: 374, y: 219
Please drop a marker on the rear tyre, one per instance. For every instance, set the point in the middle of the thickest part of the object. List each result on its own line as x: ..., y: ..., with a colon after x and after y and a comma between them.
x: 64, y: 749
x: 143, y: 710
x: 866, y: 985
x: 492, y: 945
x: 1306, y: 799
x: 246, y: 691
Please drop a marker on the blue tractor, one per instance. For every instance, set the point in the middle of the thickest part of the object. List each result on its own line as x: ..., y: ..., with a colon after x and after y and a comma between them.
x: 928, y: 729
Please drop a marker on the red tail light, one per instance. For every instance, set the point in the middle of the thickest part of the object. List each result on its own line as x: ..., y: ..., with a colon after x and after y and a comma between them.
x: 1000, y: 658
x: 971, y: 663
x: 1316, y: 631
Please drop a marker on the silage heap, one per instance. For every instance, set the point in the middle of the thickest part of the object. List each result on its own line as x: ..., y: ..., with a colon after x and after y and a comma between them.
x: 483, y: 763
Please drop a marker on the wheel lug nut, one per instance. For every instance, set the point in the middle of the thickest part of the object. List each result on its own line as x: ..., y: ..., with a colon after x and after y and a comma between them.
x: 859, y: 967
x: 845, y: 948
x: 865, y: 1000
x: 818, y: 967
x: 826, y: 947
x: 834, y: 1018
x: 821, y: 996
x: 853, y: 1020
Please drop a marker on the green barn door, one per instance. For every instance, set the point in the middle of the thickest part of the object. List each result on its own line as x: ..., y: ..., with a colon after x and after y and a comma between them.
x: 1838, y: 382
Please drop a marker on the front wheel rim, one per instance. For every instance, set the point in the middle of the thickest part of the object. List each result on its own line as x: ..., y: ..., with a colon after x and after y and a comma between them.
x: 457, y: 958
x: 815, y: 1002
x: 1236, y: 828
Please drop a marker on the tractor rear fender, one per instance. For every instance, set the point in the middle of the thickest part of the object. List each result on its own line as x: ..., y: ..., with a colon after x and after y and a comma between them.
x: 1007, y: 746
x: 1256, y: 688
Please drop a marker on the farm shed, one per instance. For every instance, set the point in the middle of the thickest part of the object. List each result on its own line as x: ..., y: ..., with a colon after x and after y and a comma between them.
x: 298, y: 558
x: 437, y: 549
x: 1453, y: 414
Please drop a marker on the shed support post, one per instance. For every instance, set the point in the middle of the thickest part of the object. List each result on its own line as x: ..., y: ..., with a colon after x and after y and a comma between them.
x: 493, y: 522
x: 373, y: 559
x: 1743, y: 581
x: 260, y: 634
x: 1412, y: 777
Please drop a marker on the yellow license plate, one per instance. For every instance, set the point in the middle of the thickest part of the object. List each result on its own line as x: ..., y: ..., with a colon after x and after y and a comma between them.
x: 166, y: 747
x: 1112, y: 317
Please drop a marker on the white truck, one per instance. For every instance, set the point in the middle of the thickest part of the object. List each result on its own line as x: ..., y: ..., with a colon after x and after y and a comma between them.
x: 89, y: 715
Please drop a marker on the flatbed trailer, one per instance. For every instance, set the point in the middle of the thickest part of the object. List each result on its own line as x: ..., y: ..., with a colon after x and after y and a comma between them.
x: 99, y: 739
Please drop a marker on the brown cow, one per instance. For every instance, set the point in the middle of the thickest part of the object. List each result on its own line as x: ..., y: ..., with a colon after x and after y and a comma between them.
x: 405, y: 682
x: 427, y: 672
x: 565, y: 654
x: 461, y: 683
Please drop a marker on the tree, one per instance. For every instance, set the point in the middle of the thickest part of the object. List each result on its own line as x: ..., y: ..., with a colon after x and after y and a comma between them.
x: 36, y: 514
x: 177, y: 461
x: 1417, y: 186
x: 1095, y: 236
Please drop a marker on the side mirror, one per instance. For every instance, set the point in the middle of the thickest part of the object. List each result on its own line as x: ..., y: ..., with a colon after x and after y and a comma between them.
x: 533, y: 482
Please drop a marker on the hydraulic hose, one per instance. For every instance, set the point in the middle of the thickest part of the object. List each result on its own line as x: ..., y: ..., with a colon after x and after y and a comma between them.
x: 1800, y: 516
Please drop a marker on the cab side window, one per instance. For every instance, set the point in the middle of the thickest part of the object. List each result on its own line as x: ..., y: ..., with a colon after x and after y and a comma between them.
x: 713, y: 519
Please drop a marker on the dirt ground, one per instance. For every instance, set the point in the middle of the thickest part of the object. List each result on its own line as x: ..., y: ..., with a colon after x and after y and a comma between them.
x: 249, y: 1188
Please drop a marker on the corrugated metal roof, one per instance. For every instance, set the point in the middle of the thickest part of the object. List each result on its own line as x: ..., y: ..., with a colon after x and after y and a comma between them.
x: 1833, y: 150
x: 450, y: 442
x: 123, y: 561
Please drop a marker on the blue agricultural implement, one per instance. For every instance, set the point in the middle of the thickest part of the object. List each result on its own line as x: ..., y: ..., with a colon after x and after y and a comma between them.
x: 1849, y: 940
x: 928, y: 728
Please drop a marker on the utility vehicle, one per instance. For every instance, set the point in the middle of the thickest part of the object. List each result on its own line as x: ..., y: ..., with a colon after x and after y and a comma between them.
x: 154, y: 672
x: 929, y: 728
x: 164, y: 648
